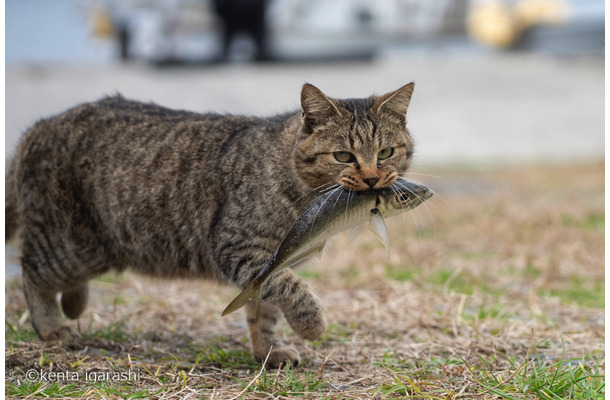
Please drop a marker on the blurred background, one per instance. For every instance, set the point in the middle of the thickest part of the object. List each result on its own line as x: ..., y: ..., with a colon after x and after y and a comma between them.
x: 497, y: 81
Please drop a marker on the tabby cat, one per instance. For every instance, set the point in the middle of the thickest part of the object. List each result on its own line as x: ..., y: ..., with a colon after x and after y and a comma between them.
x: 117, y: 183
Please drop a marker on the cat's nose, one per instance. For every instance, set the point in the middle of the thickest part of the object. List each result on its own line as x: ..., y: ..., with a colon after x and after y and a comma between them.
x: 371, y: 181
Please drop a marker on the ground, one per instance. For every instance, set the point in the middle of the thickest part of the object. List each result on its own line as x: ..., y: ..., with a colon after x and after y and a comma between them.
x: 494, y: 289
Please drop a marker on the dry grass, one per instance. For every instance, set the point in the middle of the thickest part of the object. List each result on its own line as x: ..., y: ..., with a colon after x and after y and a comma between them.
x: 495, y: 282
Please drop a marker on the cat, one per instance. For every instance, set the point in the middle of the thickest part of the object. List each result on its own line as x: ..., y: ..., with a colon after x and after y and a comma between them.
x: 118, y: 184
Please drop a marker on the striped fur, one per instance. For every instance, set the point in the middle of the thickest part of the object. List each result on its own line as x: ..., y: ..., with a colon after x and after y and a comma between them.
x: 118, y: 184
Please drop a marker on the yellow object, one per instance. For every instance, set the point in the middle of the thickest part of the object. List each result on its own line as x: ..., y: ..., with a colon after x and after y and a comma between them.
x: 102, y: 24
x: 534, y: 12
x: 492, y: 23
x: 497, y: 24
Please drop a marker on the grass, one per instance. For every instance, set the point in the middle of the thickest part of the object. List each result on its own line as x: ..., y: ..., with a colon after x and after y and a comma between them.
x: 538, y: 378
x: 531, y: 379
x: 285, y: 383
x: 12, y: 334
x: 491, y: 293
x: 71, y: 390
x: 115, y: 332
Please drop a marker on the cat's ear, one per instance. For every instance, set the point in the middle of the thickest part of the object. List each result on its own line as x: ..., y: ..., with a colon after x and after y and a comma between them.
x: 317, y: 107
x: 395, y: 102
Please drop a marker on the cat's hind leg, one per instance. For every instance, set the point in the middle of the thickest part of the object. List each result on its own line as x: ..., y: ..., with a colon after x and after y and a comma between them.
x: 262, y: 323
x: 74, y: 300
x: 50, y: 266
x: 44, y: 311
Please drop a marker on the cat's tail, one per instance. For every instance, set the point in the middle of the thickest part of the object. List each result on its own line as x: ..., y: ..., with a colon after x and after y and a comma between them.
x: 11, y: 201
x: 251, y: 292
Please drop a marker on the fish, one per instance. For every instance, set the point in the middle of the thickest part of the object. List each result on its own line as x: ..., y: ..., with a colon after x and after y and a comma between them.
x: 331, y: 213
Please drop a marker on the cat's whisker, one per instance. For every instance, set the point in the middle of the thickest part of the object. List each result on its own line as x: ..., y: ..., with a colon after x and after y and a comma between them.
x: 332, y: 193
x: 436, y: 194
x: 399, y: 188
x: 441, y: 198
x: 424, y: 204
x: 323, y: 188
x: 349, y: 196
x: 329, y: 188
x: 409, y: 171
x: 421, y: 170
x: 397, y: 193
x: 406, y: 173
x: 396, y: 189
x: 339, y: 197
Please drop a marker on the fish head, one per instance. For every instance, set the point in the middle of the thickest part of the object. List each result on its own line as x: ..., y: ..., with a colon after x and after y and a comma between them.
x: 405, y: 196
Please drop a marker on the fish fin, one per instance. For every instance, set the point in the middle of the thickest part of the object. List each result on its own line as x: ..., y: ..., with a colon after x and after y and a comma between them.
x: 379, y: 229
x: 316, y: 251
x: 250, y: 292
x: 353, y: 233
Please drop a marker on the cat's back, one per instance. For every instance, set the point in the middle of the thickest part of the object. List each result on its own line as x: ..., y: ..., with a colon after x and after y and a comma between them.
x: 113, y: 117
x: 115, y: 131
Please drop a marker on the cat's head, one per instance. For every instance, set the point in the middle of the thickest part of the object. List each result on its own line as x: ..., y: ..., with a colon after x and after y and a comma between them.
x: 357, y: 143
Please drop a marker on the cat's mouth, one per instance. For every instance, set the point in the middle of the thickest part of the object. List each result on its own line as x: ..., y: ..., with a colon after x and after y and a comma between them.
x: 367, y: 183
x: 363, y: 186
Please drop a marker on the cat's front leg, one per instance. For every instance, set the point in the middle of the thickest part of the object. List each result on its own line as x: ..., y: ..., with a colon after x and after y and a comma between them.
x: 302, y: 309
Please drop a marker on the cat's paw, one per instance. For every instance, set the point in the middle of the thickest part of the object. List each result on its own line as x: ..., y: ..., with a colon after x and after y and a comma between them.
x: 281, y: 356
x: 308, y: 324
x: 63, y: 333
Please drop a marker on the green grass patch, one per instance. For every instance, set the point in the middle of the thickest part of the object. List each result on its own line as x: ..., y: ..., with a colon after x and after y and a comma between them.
x: 532, y: 272
x: 417, y: 378
x: 393, y: 361
x: 401, y: 273
x: 474, y: 255
x: 285, y: 383
x: 338, y: 333
x: 114, y: 332
x: 463, y: 282
x: 484, y: 311
x: 592, y: 221
x: 537, y: 378
x: 12, y: 284
x: 81, y: 389
x: 533, y: 378
x: 110, y: 277
x: 227, y: 359
x: 16, y: 334
x: 582, y: 296
x: 308, y: 275
x: 43, y: 389
x: 513, y: 272
x: 595, y: 222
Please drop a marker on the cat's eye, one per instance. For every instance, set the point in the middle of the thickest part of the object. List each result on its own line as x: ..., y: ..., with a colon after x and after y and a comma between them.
x: 344, y: 156
x: 385, y: 153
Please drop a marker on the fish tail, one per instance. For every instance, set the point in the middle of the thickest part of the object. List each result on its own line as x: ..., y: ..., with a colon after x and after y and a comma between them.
x: 250, y: 292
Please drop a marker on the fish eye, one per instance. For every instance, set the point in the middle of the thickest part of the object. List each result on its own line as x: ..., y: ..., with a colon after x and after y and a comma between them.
x: 344, y: 156
x: 385, y: 153
x: 403, y: 197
